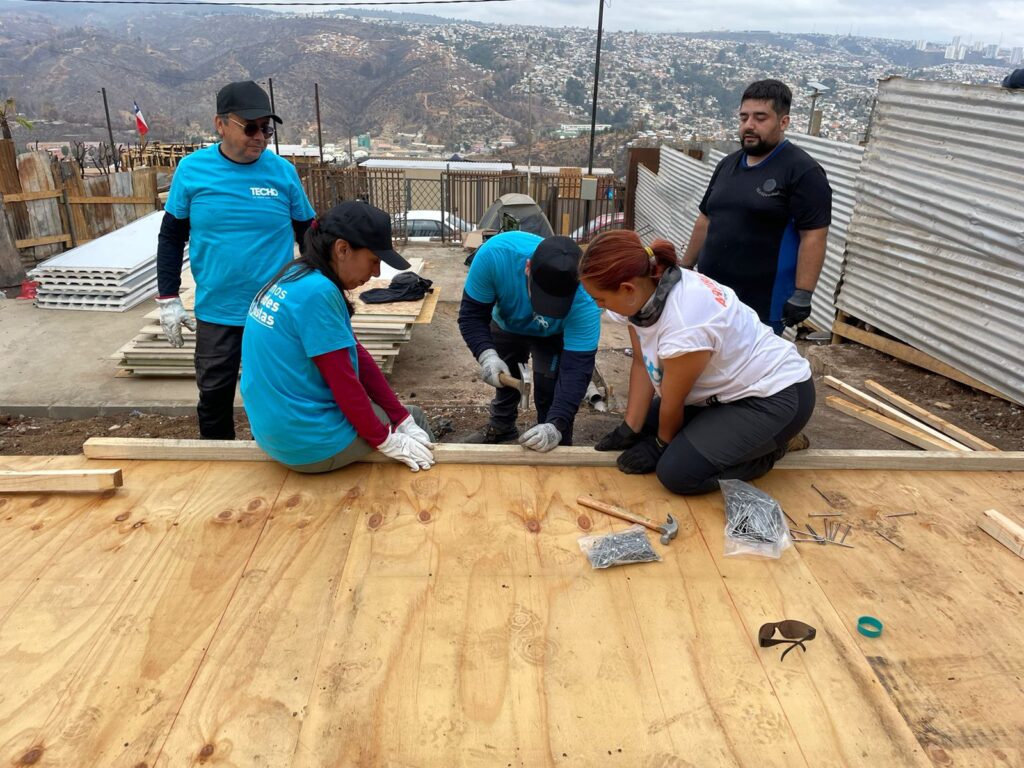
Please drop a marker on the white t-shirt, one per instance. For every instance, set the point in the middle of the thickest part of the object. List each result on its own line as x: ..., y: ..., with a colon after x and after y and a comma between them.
x: 747, y: 359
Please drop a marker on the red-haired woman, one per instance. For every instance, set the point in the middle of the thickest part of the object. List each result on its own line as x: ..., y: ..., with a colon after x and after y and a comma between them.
x: 713, y: 393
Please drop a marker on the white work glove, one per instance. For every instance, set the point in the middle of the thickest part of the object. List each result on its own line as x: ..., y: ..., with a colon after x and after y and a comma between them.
x: 408, y: 426
x: 172, y: 317
x: 542, y: 437
x: 403, y: 448
x: 491, y: 365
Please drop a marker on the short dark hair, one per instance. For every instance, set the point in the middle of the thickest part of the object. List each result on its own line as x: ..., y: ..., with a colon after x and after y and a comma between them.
x: 775, y: 91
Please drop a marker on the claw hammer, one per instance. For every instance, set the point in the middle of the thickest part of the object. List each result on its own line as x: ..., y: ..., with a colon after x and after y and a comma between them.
x: 668, y: 530
x: 523, y: 384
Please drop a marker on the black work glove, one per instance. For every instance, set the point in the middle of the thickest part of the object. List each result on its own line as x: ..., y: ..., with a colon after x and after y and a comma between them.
x: 619, y: 438
x: 798, y: 308
x: 642, y: 457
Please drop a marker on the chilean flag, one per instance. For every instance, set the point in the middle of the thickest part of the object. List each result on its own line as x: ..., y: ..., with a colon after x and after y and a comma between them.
x: 140, y: 121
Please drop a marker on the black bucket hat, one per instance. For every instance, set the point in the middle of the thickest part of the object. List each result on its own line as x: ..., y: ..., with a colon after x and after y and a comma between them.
x: 554, y: 276
x: 362, y: 225
x: 245, y: 99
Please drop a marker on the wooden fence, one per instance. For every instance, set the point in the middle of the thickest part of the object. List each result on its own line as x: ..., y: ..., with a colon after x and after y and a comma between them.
x: 47, y: 207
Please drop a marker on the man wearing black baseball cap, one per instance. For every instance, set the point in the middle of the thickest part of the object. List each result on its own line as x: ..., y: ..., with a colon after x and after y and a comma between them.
x: 240, y: 210
x: 522, y: 301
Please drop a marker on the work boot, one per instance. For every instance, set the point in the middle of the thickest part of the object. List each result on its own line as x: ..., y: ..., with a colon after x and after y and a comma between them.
x: 798, y: 442
x: 493, y: 433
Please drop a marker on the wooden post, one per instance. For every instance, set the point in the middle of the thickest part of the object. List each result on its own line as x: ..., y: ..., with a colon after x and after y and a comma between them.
x: 11, y: 270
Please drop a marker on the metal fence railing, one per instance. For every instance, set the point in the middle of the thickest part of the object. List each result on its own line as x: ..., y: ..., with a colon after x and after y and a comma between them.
x: 453, y: 204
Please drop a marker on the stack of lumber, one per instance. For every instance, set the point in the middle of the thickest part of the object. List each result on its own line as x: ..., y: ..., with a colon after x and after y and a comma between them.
x: 381, y: 328
x: 903, y: 418
x: 112, y: 273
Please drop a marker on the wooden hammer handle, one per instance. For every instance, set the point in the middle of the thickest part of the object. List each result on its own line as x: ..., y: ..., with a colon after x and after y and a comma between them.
x: 619, y: 512
x: 510, y: 381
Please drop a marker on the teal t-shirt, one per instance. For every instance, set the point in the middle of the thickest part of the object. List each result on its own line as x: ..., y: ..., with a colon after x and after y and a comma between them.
x: 241, y: 231
x: 291, y: 410
x: 498, y: 275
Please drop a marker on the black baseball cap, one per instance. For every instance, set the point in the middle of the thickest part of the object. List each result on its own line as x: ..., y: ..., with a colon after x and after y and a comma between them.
x: 363, y: 226
x: 245, y: 99
x: 554, y: 276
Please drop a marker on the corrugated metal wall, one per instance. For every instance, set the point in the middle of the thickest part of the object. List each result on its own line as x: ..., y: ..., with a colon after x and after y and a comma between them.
x: 666, y: 203
x: 842, y: 163
x: 935, y: 252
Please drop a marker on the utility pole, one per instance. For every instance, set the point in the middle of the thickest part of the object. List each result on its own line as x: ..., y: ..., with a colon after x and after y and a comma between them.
x: 319, y: 134
x: 593, y: 109
x: 597, y: 74
x: 270, y: 83
x: 110, y: 132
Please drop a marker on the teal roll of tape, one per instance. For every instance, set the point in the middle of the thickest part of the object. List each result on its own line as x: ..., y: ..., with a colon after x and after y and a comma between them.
x: 869, y: 626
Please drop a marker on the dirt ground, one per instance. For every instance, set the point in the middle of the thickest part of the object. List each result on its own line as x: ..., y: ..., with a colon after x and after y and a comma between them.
x: 436, y: 372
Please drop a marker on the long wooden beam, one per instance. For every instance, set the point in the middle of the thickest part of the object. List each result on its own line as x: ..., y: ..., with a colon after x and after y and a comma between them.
x: 864, y: 399
x: 155, y: 449
x: 47, y: 480
x: 884, y: 423
x: 939, y: 423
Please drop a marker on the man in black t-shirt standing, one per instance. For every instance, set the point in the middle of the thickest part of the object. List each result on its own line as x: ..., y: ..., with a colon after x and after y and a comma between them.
x: 764, y: 218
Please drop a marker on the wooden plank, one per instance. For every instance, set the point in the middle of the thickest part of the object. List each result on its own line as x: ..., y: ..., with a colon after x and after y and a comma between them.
x: 952, y: 652
x: 249, y: 696
x: 140, y: 448
x: 893, y: 427
x: 426, y: 314
x: 109, y: 200
x: 909, y: 354
x: 45, y: 194
x: 840, y: 719
x: 929, y: 418
x: 34, y: 242
x: 12, y: 271
x: 75, y: 188
x: 121, y: 186
x: 144, y: 191
x: 100, y: 218
x: 34, y: 170
x: 893, y: 413
x: 1004, y: 530
x: 45, y: 480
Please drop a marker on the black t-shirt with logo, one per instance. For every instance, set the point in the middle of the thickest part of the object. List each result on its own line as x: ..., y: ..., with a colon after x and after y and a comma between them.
x: 756, y: 214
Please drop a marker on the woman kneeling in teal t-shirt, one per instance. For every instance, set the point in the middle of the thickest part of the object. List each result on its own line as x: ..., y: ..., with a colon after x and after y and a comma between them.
x: 315, y: 398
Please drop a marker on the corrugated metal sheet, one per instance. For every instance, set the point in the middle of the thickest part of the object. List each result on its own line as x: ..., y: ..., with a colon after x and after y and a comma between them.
x: 842, y: 164
x: 935, y: 250
x: 666, y: 203
x: 669, y: 205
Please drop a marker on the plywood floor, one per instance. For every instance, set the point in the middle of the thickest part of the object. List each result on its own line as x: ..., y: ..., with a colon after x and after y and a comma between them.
x: 236, y: 614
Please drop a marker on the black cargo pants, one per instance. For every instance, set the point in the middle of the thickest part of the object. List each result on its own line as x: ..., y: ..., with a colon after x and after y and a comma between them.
x: 218, y: 360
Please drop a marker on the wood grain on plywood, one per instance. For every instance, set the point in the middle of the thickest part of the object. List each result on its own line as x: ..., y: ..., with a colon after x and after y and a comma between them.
x: 254, y: 683
x: 952, y: 654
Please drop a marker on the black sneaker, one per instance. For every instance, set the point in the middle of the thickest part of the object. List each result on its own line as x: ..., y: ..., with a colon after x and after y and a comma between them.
x: 493, y: 434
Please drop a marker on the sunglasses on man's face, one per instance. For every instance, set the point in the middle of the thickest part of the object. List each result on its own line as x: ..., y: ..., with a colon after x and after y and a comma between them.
x: 793, y: 632
x: 251, y: 129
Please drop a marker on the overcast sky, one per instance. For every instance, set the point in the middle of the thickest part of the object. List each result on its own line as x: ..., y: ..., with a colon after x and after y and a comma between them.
x: 935, y: 20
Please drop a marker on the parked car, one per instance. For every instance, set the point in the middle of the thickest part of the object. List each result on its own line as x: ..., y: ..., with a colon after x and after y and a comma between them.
x: 598, y: 225
x: 422, y: 226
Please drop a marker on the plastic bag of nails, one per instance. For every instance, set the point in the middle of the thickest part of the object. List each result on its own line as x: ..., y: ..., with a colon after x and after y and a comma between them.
x: 754, y: 523
x: 628, y: 546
